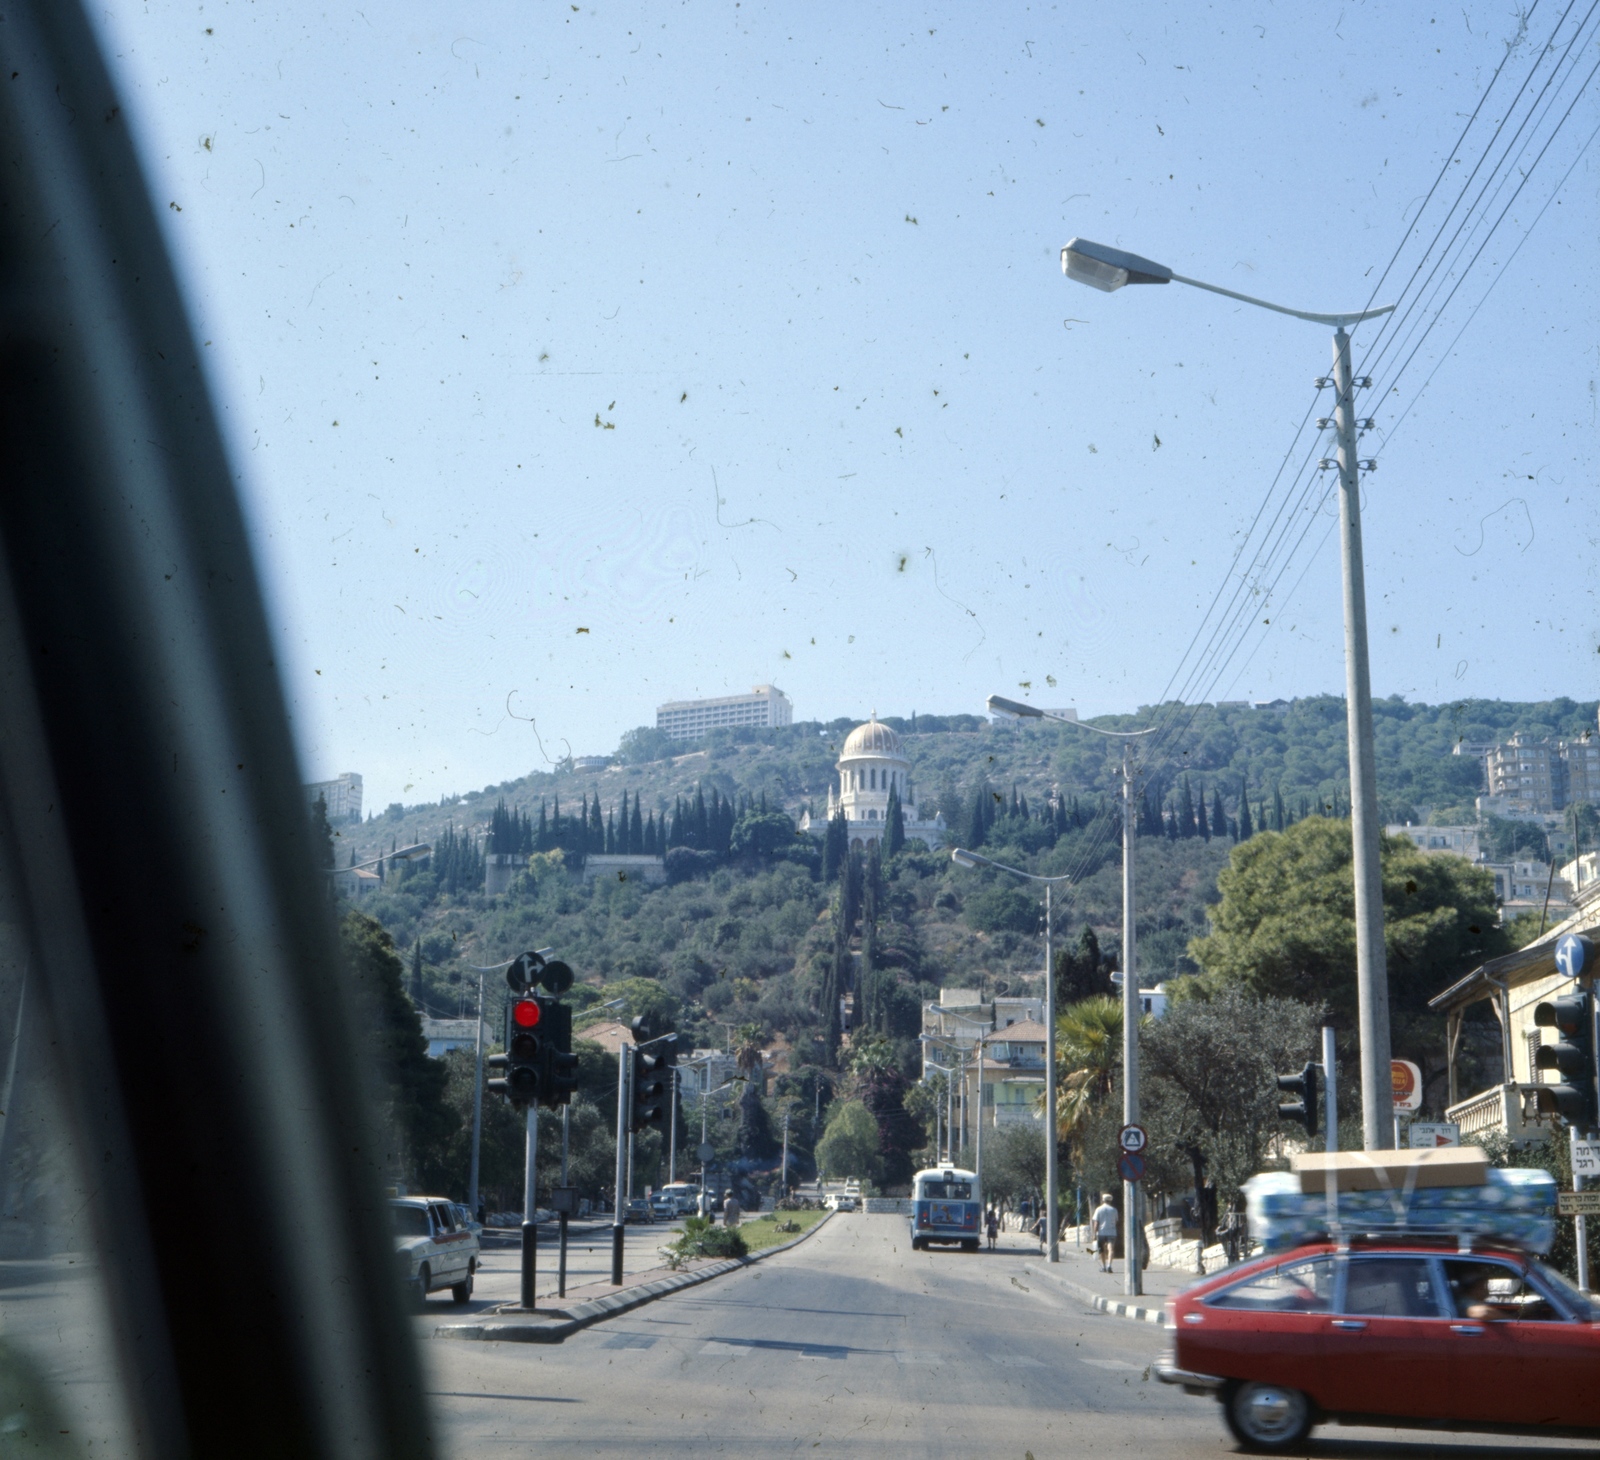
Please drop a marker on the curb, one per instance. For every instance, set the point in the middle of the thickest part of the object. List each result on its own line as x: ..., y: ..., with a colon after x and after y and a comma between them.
x: 583, y: 1314
x: 1114, y: 1306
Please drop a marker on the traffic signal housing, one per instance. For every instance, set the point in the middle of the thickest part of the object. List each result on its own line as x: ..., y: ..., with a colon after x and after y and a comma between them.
x: 522, y: 1066
x: 653, y: 1060
x: 1572, y: 1057
x: 563, y: 1070
x: 1307, y: 1085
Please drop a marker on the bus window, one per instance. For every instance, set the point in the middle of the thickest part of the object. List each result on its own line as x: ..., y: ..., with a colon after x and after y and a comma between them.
x: 946, y: 1191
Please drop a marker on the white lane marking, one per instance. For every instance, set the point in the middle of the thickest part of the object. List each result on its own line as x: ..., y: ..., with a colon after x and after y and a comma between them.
x: 929, y: 1360
x: 1112, y: 1364
x: 727, y: 1350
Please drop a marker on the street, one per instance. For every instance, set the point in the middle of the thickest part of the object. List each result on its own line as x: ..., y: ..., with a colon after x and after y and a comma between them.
x: 849, y: 1340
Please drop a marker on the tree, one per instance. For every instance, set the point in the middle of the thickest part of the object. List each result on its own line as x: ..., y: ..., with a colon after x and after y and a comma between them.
x: 1080, y: 971
x: 978, y: 818
x: 1285, y: 925
x: 1088, y: 1056
x: 849, y: 1144
x: 1209, y: 1069
x: 1219, y: 814
x: 894, y: 836
x: 1245, y: 828
x: 882, y: 1089
x: 835, y: 845
x: 407, y: 1088
x: 1003, y: 909
x: 1014, y: 1162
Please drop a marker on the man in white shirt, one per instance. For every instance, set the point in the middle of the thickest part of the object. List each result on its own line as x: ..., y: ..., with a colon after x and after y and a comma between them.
x: 1103, y: 1223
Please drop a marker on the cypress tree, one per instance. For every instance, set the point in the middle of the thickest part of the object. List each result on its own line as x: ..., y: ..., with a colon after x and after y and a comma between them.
x: 977, y: 826
x: 611, y: 834
x: 1202, y: 820
x: 636, y: 831
x: 1185, y: 810
x: 1219, y: 814
x: 894, y: 836
x: 1279, y: 820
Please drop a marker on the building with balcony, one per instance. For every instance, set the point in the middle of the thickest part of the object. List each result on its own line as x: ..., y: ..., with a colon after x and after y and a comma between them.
x: 1512, y: 986
x: 764, y: 707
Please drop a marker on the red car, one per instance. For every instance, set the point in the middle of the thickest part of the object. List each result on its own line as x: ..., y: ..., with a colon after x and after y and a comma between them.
x: 1390, y: 1333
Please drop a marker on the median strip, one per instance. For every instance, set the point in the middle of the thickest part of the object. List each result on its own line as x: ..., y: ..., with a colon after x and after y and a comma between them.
x: 563, y: 1322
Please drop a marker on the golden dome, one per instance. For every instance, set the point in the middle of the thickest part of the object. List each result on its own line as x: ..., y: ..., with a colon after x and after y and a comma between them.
x: 872, y: 739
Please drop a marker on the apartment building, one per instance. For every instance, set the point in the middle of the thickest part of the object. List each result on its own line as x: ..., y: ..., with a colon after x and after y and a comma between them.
x: 765, y: 706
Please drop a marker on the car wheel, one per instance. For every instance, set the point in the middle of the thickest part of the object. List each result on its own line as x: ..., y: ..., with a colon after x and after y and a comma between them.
x: 1267, y: 1416
x: 462, y: 1292
x: 917, y: 1244
x: 424, y: 1281
x: 969, y: 1246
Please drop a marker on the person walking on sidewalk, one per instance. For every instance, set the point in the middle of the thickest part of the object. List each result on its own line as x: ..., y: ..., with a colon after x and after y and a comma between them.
x: 992, y: 1227
x: 1103, y: 1222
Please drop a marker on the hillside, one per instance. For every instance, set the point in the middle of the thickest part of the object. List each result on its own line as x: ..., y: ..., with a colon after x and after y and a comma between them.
x: 750, y: 938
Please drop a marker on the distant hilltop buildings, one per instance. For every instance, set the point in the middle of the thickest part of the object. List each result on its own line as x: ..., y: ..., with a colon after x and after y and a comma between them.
x: 1528, y: 777
x: 872, y: 770
x: 341, y: 797
x: 764, y: 707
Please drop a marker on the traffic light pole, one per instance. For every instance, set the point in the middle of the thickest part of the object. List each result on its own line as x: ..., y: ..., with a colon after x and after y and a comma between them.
x: 1330, y: 1091
x: 620, y: 1216
x: 530, y: 1228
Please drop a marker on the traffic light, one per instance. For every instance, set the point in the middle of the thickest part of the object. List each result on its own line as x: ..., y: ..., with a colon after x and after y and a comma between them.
x: 1305, y: 1085
x: 563, y: 1068
x: 1571, y: 1056
x: 525, y: 1054
x: 652, y: 1076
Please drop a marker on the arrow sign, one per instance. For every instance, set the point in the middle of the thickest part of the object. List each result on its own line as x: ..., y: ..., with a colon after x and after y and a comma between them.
x: 1573, y: 955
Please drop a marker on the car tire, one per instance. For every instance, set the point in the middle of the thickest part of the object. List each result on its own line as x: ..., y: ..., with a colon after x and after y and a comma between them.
x: 462, y: 1292
x: 969, y: 1246
x: 917, y: 1244
x: 1267, y: 1417
x: 419, y: 1289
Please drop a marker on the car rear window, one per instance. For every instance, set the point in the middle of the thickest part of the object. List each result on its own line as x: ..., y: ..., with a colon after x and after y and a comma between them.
x: 947, y: 1190
x: 1392, y: 1287
x: 410, y: 1221
x: 1295, y: 1287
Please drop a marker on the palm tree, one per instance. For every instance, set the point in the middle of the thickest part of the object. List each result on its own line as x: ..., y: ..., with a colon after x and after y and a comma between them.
x: 748, y: 1042
x: 1088, y: 1051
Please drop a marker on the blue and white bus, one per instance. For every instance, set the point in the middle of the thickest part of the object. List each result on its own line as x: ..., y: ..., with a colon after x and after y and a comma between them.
x: 946, y: 1206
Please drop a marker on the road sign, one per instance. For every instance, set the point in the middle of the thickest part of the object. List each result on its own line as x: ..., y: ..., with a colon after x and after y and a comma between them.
x: 1578, y: 1203
x: 707, y: 1153
x: 1131, y: 1165
x: 1132, y: 1138
x: 1425, y: 1134
x: 1407, y: 1081
x: 1572, y: 955
x: 1586, y: 1159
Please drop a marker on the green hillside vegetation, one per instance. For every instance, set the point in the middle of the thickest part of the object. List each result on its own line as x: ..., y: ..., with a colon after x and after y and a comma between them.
x: 761, y: 929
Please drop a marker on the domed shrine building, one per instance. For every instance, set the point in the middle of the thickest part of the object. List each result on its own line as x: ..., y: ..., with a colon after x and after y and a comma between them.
x: 871, y: 765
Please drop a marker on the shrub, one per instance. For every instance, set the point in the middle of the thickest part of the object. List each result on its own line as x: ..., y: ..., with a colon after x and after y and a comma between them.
x: 701, y: 1239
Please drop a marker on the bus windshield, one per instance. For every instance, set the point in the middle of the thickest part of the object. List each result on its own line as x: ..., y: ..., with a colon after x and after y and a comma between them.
x: 947, y: 1190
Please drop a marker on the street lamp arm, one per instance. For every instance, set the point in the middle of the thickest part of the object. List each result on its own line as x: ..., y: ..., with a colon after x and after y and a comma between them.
x: 999, y: 704
x: 963, y: 858
x: 1337, y: 320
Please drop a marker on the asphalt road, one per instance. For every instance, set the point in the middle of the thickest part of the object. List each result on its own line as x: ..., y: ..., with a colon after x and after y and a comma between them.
x: 851, y: 1341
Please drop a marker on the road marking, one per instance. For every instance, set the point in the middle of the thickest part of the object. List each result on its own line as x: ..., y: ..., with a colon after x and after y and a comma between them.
x: 1015, y: 1361
x: 630, y: 1340
x: 727, y: 1350
x: 927, y: 1360
x: 1113, y: 1364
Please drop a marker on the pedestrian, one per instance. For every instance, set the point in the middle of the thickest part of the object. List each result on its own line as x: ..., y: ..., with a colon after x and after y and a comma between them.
x: 1103, y: 1222
x: 992, y: 1227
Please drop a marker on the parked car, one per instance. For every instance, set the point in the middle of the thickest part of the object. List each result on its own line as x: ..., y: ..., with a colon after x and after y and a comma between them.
x: 434, y: 1250
x: 1391, y: 1333
x: 638, y: 1210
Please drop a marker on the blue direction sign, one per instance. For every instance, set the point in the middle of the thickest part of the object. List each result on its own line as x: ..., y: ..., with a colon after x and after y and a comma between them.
x: 1574, y: 955
x: 1131, y: 1165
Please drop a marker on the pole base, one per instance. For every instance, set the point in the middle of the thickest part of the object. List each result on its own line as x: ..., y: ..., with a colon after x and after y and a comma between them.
x: 616, y: 1255
x: 530, y: 1263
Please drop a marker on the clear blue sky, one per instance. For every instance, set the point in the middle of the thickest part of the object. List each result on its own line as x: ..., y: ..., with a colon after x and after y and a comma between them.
x: 580, y: 357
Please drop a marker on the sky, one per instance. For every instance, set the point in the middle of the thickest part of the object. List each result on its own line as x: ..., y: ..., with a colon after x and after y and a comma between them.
x: 575, y: 358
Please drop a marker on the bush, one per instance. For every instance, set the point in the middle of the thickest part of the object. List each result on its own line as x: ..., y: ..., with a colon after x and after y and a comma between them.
x: 701, y: 1239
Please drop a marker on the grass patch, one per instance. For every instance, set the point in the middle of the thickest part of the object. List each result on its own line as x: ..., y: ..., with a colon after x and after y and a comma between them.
x: 762, y: 1231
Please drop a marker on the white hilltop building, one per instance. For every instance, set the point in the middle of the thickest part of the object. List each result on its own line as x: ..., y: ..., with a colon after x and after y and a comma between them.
x: 870, y: 766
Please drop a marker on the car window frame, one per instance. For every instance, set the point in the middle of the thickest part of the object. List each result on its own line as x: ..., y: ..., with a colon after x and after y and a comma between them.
x: 1430, y: 1259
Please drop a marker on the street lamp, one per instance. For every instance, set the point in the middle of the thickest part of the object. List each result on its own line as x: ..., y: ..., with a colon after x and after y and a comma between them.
x: 1109, y: 269
x: 949, y: 1072
x: 1130, y: 975
x: 963, y: 858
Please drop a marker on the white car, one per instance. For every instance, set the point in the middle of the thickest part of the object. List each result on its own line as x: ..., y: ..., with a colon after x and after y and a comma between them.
x: 842, y: 1201
x: 435, y: 1250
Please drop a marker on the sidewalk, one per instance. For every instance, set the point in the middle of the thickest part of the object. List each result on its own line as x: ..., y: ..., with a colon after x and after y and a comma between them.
x: 1079, y: 1275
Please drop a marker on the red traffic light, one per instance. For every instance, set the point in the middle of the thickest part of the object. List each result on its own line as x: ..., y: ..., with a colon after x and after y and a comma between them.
x: 525, y: 1013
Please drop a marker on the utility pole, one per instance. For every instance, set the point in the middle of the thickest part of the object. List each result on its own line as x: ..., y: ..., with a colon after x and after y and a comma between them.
x: 1372, y: 973
x: 477, y: 1108
x: 783, y: 1178
x: 1051, y: 1216
x: 1330, y: 1091
x: 620, y: 1214
x: 672, y: 1132
x: 1130, y: 1030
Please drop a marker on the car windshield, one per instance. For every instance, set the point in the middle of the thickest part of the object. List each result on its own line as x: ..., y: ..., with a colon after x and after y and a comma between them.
x: 1567, y: 1293
x: 727, y: 517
